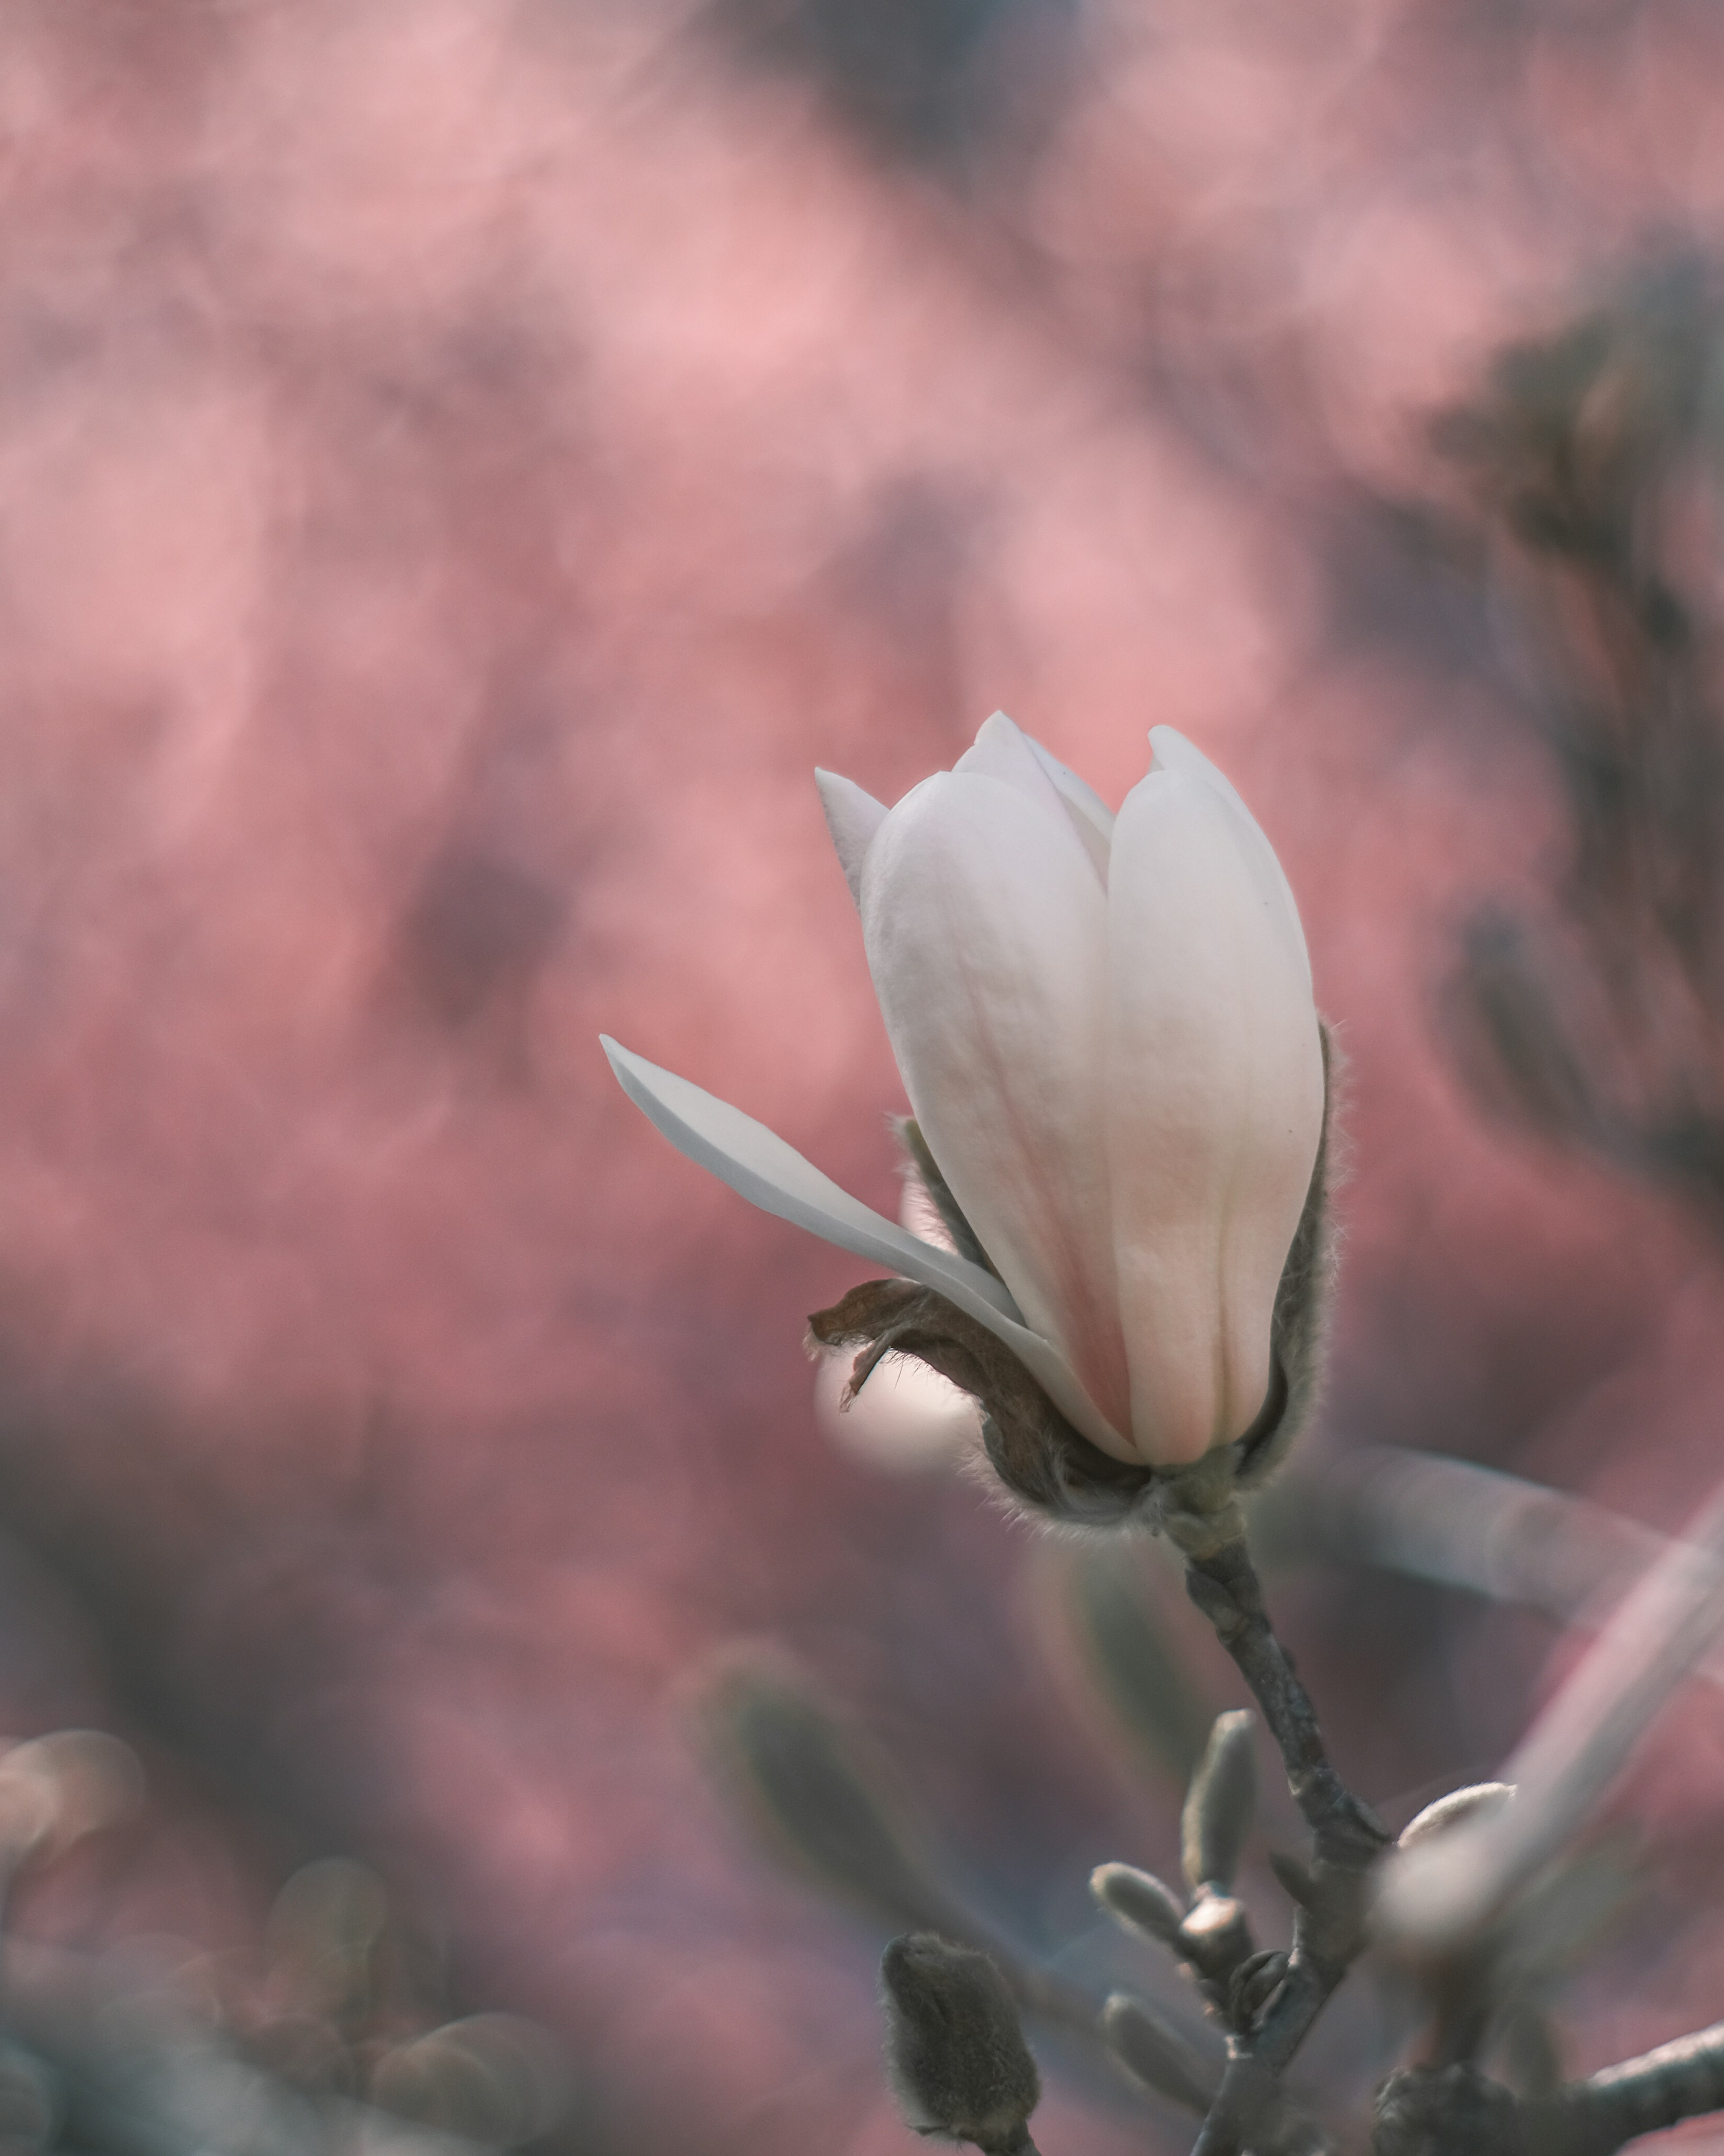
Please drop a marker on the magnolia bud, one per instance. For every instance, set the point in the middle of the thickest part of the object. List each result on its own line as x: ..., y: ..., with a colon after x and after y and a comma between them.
x: 1140, y: 1901
x: 955, y: 2054
x: 1222, y: 1804
x: 1161, y: 2056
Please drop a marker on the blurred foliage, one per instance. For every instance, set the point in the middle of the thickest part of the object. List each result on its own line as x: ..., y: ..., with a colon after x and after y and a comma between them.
x: 330, y: 2036
x: 935, y: 81
x: 1591, y: 460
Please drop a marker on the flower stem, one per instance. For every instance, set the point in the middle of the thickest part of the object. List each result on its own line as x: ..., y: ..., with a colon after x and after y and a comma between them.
x: 1202, y: 1516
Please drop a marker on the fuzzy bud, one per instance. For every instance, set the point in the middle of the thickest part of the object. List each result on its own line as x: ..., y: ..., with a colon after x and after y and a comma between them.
x: 956, y: 2055
x: 1140, y: 1901
x: 1163, y: 2057
x: 1222, y: 1804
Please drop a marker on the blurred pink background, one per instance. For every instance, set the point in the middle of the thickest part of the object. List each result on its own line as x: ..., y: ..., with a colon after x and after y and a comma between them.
x: 462, y: 464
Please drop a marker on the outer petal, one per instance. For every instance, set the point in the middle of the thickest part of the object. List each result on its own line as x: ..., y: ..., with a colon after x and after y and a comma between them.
x: 1214, y: 1107
x: 853, y: 816
x: 1172, y: 751
x: 986, y: 930
x: 757, y: 1164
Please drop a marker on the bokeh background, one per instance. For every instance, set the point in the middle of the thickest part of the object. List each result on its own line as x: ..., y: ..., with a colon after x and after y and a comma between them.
x: 462, y: 464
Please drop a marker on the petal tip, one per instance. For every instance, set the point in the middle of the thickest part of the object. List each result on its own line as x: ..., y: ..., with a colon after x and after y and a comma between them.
x: 853, y: 816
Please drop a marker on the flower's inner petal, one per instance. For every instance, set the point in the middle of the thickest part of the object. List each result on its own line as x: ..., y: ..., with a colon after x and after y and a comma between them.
x: 1004, y: 752
x: 853, y: 816
x: 986, y: 930
x: 1092, y: 818
x: 759, y: 1165
x: 1172, y: 751
x: 1214, y: 1110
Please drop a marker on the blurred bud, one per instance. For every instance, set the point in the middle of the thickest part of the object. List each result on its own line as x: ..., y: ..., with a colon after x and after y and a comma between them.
x: 1140, y: 1901
x: 1221, y: 1803
x: 1154, y: 2053
x: 825, y: 1800
x: 321, y: 1934
x: 492, y: 2078
x: 1126, y: 1647
x: 955, y: 2053
x: 55, y: 1789
x: 1478, y: 1801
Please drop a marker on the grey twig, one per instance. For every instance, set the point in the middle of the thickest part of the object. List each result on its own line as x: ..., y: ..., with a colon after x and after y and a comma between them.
x: 1202, y: 1517
x: 1595, y: 2117
x: 1455, y: 2111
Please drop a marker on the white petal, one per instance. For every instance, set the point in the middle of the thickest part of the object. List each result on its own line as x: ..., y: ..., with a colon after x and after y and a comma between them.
x: 853, y: 816
x: 758, y: 1164
x: 1092, y: 817
x: 1214, y: 1110
x: 1172, y: 751
x: 1004, y: 751
x: 986, y: 932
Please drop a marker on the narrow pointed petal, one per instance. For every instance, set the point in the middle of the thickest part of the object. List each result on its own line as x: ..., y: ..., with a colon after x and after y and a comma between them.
x: 761, y: 1167
x: 986, y: 931
x: 1214, y: 1107
x: 1092, y: 818
x: 1172, y: 751
x: 853, y: 816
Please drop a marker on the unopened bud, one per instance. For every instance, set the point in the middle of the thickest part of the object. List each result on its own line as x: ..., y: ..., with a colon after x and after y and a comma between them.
x: 1139, y: 1901
x: 1477, y: 1801
x: 1223, y: 1802
x: 1154, y: 2053
x: 955, y: 2053
x: 1216, y: 1934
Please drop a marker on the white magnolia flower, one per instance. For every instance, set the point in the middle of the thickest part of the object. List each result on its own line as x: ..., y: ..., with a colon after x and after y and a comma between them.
x: 1106, y: 1028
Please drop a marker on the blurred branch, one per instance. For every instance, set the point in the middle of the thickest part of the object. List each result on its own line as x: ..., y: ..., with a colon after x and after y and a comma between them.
x: 1446, y: 1890
x: 1459, y: 1524
x: 1455, y: 2111
x: 1676, y: 2082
